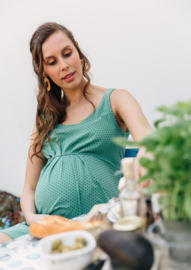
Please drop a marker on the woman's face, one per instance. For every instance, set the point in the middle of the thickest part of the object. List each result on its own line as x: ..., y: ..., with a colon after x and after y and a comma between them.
x: 61, y: 61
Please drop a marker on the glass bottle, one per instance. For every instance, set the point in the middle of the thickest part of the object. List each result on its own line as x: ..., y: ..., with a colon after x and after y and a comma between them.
x: 133, y: 207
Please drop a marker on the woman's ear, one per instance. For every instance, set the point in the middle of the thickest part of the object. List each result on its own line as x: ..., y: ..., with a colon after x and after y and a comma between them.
x: 77, y: 43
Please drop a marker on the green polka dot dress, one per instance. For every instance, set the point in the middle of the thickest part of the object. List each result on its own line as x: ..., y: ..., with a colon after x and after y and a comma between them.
x: 80, y: 169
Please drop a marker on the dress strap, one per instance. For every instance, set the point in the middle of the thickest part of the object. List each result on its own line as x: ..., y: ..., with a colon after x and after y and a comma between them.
x: 105, y: 109
x: 105, y: 104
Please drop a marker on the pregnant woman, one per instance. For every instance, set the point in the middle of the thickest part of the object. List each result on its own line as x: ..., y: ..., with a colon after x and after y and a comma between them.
x: 72, y: 160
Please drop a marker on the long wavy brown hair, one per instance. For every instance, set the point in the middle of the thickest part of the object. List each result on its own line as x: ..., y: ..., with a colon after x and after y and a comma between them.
x: 51, y: 105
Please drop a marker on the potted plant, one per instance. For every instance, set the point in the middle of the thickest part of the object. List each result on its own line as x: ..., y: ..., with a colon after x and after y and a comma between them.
x: 170, y: 168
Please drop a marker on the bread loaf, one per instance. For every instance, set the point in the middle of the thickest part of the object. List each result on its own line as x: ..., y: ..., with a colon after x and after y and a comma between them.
x: 57, y: 224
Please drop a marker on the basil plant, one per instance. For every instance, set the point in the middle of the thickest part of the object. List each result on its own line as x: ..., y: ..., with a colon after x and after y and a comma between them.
x: 170, y: 167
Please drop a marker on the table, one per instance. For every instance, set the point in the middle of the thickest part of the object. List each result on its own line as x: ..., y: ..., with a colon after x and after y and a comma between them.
x: 21, y: 253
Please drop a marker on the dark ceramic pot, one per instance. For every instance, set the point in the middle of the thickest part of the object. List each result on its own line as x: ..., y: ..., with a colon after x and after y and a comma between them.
x: 179, y: 233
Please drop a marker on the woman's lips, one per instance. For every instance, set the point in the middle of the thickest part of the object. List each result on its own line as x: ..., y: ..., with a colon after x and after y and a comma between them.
x: 70, y: 78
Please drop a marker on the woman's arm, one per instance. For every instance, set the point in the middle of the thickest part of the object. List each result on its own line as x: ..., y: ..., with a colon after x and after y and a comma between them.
x: 126, y: 108
x: 33, y: 171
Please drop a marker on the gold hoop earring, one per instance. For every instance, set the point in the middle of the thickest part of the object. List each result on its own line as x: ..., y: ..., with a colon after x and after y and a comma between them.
x: 87, y: 68
x: 47, y: 83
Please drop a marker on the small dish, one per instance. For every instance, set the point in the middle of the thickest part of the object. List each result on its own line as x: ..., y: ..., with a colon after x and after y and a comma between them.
x: 113, y: 214
x: 71, y: 260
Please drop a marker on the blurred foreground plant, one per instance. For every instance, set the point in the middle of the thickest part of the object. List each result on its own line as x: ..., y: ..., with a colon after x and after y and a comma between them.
x: 170, y: 167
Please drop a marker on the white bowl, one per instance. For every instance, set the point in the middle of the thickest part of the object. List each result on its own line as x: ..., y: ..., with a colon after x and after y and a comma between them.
x: 71, y: 260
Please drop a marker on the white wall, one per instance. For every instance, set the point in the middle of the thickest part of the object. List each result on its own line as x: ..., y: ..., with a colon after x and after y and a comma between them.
x: 143, y: 46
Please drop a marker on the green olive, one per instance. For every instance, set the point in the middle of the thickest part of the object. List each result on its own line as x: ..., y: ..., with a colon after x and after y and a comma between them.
x: 58, y: 247
x: 82, y: 240
x: 56, y: 243
x: 65, y: 249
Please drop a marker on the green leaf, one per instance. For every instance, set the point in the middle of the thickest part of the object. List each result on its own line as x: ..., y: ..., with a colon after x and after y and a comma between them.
x: 145, y: 177
x: 162, y: 108
x: 187, y: 205
x: 156, y: 123
x: 151, y: 189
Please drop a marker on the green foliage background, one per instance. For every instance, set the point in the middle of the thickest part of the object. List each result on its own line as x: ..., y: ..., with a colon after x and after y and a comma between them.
x: 170, y: 168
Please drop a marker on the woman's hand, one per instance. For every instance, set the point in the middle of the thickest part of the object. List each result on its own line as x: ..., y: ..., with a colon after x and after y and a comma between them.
x: 35, y: 218
x: 138, y: 169
x: 94, y: 213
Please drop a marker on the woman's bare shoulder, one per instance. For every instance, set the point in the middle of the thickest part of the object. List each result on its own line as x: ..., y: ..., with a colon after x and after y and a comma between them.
x: 98, y: 90
x: 96, y: 94
x: 118, y: 96
x: 118, y: 92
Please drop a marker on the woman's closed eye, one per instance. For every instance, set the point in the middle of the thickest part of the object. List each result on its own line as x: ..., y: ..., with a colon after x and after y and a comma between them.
x: 52, y: 63
x: 67, y: 54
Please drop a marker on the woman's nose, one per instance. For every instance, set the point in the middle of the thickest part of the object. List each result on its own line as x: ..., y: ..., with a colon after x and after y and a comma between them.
x: 63, y: 64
